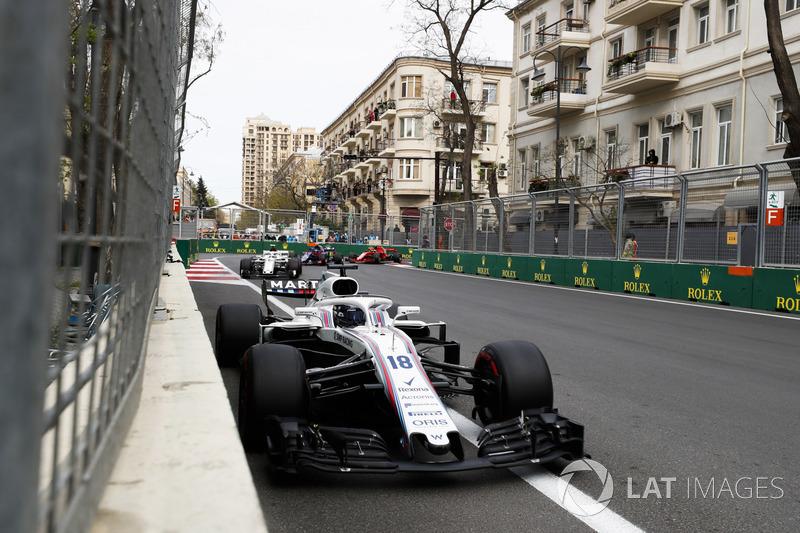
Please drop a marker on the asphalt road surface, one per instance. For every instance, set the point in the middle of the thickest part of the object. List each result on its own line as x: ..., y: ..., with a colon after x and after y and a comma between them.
x: 691, y: 415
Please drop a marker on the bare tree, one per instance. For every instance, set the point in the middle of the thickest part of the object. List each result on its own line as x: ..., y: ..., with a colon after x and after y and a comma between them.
x: 441, y: 29
x: 787, y: 83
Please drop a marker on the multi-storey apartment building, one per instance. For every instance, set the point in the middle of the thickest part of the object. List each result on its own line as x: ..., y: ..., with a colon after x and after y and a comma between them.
x: 380, y: 150
x: 691, y: 80
x: 266, y: 145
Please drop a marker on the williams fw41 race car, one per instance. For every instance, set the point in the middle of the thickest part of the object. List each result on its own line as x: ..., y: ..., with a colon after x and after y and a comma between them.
x: 271, y: 263
x: 377, y: 254
x: 320, y: 255
x: 350, y: 383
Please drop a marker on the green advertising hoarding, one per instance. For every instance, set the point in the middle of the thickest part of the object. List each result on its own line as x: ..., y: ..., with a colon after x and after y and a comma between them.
x: 776, y: 290
x: 588, y: 274
x: 713, y: 284
x: 638, y: 277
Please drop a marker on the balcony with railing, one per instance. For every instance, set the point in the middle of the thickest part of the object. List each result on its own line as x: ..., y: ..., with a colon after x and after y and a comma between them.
x: 544, y: 98
x: 566, y: 32
x: 642, y: 70
x: 453, y: 107
x: 386, y: 146
x: 387, y: 110
x: 635, y: 12
x: 652, y: 177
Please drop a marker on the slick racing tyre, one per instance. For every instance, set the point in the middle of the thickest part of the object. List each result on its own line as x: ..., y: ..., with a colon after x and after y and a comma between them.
x: 376, y: 258
x: 245, y: 266
x: 524, y: 382
x: 352, y: 256
x: 237, y: 329
x: 397, y: 258
x: 272, y: 382
x: 338, y: 259
x: 294, y: 267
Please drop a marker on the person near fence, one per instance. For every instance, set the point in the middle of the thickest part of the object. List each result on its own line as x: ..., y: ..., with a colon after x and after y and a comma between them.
x: 652, y: 158
x: 631, y: 246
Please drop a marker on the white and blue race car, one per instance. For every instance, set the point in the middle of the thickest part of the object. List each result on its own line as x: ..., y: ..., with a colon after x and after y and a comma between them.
x: 351, y: 383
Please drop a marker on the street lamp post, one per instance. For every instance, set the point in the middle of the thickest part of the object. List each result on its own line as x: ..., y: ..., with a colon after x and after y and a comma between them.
x: 558, y: 57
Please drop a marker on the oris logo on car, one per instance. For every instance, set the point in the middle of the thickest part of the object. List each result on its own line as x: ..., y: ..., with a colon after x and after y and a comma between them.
x: 438, y: 422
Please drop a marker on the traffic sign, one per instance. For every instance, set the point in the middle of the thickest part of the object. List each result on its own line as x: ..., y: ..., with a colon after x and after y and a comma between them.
x: 449, y: 224
x: 176, y: 205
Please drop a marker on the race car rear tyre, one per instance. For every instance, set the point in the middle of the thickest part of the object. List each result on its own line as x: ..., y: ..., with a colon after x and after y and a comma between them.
x: 272, y: 382
x: 397, y: 258
x: 294, y: 266
x: 237, y: 329
x: 338, y: 259
x: 245, y: 266
x: 525, y: 380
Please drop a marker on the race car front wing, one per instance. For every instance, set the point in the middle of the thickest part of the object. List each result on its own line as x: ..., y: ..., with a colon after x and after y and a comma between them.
x: 537, y: 436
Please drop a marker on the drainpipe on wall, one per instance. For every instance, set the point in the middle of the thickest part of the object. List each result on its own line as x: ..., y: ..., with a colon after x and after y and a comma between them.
x: 744, y: 81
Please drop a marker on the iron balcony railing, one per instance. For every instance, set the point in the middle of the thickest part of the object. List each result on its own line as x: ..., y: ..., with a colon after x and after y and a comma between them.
x: 547, y: 91
x: 632, y: 62
x: 553, y: 32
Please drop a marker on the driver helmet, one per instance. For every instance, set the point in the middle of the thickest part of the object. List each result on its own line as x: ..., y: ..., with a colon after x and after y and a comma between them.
x: 348, y: 316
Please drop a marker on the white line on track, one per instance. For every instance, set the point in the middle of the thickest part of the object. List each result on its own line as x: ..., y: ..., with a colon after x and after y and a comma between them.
x: 547, y: 483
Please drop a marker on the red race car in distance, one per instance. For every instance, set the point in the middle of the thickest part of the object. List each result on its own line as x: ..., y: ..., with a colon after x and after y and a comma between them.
x: 376, y: 254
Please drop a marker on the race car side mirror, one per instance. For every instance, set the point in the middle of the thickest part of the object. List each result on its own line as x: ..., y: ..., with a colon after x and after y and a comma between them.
x: 405, y: 310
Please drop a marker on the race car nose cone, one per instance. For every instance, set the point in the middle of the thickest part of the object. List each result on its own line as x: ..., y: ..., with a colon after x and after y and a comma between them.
x: 436, y: 449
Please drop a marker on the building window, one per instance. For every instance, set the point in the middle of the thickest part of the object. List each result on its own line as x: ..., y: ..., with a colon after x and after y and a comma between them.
x: 666, y: 144
x: 523, y: 169
x: 696, y: 149
x: 410, y: 127
x: 411, y: 87
x: 524, y: 91
x: 611, y: 149
x: 702, y: 23
x: 643, y: 131
x: 724, y: 115
x: 577, y: 157
x: 487, y: 133
x: 672, y: 39
x: 409, y: 169
x: 526, y: 38
x: 791, y: 5
x: 781, y: 135
x: 541, y: 23
x: 490, y: 93
x: 731, y: 15
x: 448, y: 88
x: 536, y: 163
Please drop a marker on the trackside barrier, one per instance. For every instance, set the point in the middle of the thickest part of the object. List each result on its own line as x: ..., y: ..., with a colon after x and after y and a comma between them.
x: 757, y: 288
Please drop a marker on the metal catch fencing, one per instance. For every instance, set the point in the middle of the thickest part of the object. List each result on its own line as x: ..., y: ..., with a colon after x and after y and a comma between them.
x: 748, y: 215
x: 93, y: 177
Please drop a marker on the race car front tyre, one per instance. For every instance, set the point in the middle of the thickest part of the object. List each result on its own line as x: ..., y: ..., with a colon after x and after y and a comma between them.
x: 245, y: 266
x: 524, y: 383
x: 272, y: 382
x: 338, y: 259
x: 376, y: 258
x: 352, y: 256
x: 237, y: 329
x: 294, y: 267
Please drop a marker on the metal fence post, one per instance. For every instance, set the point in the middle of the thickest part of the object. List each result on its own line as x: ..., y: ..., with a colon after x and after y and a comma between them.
x: 761, y: 219
x: 681, y: 217
x: 33, y: 48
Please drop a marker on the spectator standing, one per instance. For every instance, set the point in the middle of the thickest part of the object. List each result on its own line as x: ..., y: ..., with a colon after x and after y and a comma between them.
x: 652, y: 158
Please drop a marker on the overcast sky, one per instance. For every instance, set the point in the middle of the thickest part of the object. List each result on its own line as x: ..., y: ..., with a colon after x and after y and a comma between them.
x: 300, y: 63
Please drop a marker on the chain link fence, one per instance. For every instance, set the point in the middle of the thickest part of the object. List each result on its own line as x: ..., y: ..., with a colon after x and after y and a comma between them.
x: 748, y: 215
x: 97, y: 126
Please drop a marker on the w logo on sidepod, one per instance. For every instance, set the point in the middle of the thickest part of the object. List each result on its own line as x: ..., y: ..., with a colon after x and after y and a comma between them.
x: 585, y: 508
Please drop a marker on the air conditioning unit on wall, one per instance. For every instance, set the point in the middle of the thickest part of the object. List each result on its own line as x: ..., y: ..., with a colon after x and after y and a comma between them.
x: 673, y: 120
x: 437, y: 124
x: 540, y: 215
x: 586, y: 143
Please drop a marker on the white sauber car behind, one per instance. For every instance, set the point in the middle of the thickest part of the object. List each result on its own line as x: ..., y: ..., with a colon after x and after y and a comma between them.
x: 271, y: 263
x: 344, y: 386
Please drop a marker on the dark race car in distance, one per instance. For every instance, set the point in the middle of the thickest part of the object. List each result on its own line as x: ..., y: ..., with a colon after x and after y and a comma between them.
x: 316, y: 254
x: 376, y: 254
